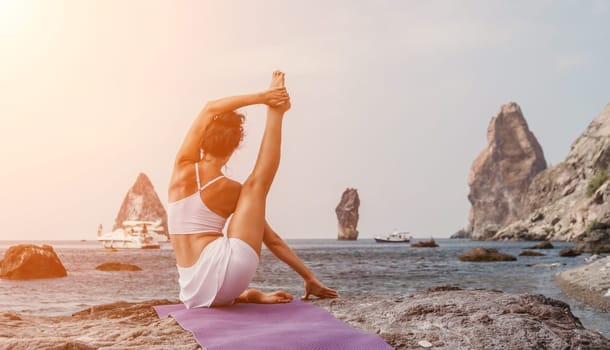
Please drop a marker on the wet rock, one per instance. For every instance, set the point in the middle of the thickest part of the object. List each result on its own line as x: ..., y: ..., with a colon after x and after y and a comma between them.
x: 467, y: 319
x: 425, y: 244
x: 480, y: 254
x: 596, y: 241
x: 542, y: 245
x: 347, y: 214
x: 115, y: 266
x: 28, y: 261
x: 531, y: 253
x: 569, y: 252
x: 501, y: 174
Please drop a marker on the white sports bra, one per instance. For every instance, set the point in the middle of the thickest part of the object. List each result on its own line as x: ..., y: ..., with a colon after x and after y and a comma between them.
x: 190, y: 215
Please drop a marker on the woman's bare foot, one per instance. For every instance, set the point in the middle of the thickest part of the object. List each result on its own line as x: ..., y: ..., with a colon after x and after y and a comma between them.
x: 277, y: 79
x: 277, y: 94
x: 276, y: 297
x: 255, y: 296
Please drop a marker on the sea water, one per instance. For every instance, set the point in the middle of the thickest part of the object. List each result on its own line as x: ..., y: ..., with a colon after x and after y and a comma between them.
x: 351, y: 267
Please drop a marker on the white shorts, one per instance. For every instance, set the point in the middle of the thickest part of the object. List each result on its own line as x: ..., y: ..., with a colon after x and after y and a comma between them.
x: 222, y: 272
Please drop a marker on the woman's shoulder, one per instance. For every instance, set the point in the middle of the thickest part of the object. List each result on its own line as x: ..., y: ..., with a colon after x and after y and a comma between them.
x: 225, y: 196
x: 232, y: 185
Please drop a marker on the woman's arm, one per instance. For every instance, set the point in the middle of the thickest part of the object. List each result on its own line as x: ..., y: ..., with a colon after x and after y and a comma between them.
x: 189, y: 150
x: 283, y: 252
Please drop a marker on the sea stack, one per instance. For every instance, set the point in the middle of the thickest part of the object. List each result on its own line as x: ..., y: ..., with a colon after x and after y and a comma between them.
x: 142, y: 203
x: 501, y: 174
x: 347, y: 214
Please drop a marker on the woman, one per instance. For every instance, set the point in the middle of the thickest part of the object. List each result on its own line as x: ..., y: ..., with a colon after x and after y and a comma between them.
x: 216, y: 270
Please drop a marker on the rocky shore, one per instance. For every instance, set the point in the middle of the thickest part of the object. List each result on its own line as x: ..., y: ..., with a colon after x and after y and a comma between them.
x: 589, y: 283
x: 446, y: 317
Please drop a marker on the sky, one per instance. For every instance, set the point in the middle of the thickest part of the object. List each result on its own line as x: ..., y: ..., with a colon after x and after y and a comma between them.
x: 392, y: 98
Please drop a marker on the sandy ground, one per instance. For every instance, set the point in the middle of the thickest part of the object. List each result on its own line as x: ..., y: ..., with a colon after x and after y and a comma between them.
x: 589, y: 283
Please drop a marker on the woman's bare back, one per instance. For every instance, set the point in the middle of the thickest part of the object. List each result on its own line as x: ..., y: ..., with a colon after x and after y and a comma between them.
x: 221, y: 198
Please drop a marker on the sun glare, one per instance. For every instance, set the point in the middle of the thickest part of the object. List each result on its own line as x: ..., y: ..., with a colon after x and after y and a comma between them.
x: 14, y: 16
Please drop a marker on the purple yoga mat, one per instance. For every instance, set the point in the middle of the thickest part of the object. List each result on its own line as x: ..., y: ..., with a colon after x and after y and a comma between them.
x: 293, y: 326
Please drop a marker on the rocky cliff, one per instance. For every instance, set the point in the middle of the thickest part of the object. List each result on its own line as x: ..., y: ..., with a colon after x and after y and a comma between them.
x: 142, y: 203
x: 570, y: 199
x: 501, y: 174
x: 347, y: 214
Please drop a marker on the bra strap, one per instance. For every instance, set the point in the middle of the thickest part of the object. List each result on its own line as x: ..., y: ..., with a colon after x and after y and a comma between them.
x: 211, y: 182
x: 197, y: 172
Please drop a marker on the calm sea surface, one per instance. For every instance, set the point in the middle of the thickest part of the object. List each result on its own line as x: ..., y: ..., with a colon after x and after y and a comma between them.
x: 361, y: 267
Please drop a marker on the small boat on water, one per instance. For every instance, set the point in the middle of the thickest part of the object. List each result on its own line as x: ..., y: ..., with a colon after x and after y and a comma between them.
x: 121, y: 239
x: 394, y: 237
x: 133, y: 235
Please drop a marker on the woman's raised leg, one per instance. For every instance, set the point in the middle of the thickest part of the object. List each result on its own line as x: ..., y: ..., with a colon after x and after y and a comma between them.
x: 248, y: 222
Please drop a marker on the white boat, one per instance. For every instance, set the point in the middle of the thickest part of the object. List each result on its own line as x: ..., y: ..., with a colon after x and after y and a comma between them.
x: 135, y: 236
x: 394, y: 237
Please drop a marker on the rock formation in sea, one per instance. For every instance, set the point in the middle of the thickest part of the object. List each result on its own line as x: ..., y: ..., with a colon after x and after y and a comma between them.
x: 425, y: 244
x: 595, y: 241
x: 501, y: 174
x: 480, y: 254
x: 142, y: 203
x: 28, y: 261
x: 461, y: 234
x: 347, y: 214
x: 572, y: 198
x: 446, y: 317
x: 569, y: 252
x: 531, y: 253
x: 542, y: 245
x: 117, y: 266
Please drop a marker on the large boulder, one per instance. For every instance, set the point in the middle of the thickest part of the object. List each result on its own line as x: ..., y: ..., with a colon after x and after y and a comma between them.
x: 569, y: 252
x: 29, y: 261
x: 596, y: 241
x: 565, y: 201
x: 450, y: 318
x: 347, y: 214
x: 480, y: 254
x: 501, y: 174
x: 142, y: 204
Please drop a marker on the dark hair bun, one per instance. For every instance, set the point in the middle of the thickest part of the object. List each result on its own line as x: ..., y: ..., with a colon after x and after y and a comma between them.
x: 223, y: 135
